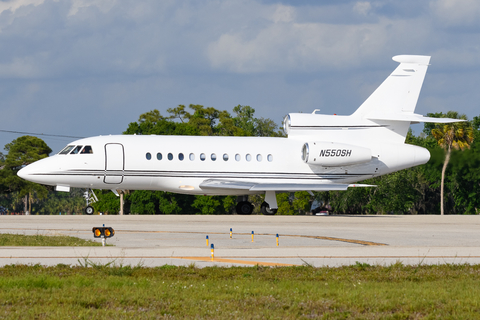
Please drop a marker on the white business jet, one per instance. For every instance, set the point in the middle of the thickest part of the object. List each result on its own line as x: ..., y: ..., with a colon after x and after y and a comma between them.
x: 321, y: 152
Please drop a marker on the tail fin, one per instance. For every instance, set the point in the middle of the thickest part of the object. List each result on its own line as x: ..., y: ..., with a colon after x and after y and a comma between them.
x: 397, y: 96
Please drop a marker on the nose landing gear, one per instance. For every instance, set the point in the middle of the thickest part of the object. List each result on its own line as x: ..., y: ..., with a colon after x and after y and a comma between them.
x: 90, y: 197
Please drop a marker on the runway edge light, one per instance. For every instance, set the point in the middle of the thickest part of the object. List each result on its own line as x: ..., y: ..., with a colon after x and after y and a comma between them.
x: 103, y: 232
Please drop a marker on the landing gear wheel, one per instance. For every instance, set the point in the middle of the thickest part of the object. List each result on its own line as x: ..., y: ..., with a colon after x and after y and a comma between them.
x: 265, y: 208
x: 244, y: 207
x: 89, y: 210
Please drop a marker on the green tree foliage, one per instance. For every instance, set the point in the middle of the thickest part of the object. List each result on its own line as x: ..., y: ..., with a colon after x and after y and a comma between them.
x: 107, y: 203
x: 21, y: 152
x: 251, y: 126
x: 208, y: 204
x: 62, y: 202
x: 296, y: 203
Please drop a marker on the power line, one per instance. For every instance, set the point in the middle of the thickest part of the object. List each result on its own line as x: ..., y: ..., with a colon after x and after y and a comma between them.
x: 42, y: 134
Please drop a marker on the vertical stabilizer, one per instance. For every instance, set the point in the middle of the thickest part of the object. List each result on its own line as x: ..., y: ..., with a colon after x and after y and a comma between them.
x: 398, y: 94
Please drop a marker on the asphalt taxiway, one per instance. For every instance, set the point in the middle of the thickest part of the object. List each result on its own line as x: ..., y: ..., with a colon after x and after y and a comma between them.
x: 315, y: 240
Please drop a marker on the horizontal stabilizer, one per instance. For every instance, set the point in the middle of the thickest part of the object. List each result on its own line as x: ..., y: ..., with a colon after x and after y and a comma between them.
x: 288, y: 187
x: 411, y: 117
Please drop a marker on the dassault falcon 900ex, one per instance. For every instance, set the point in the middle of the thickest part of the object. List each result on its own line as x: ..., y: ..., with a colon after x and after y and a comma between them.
x: 321, y: 152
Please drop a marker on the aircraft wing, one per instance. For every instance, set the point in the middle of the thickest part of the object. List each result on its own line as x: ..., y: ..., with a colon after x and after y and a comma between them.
x: 288, y: 187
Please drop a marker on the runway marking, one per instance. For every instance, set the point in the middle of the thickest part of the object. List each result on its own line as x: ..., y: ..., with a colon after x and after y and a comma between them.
x: 253, y: 263
x: 354, y: 241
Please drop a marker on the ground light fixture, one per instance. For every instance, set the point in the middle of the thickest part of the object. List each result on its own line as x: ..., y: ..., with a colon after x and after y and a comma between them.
x: 103, y: 232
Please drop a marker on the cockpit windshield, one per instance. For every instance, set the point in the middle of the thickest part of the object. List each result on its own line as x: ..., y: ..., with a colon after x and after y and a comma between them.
x: 77, y: 150
x: 87, y: 149
x: 66, y: 150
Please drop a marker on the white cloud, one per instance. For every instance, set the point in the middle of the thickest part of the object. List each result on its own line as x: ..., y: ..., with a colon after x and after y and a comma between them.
x: 362, y: 7
x: 23, y: 68
x: 283, y: 14
x: 13, y: 5
x: 457, y: 12
x: 310, y: 47
x: 103, y: 5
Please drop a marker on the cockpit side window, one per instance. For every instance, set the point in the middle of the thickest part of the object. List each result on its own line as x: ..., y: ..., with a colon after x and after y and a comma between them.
x: 87, y: 150
x: 76, y: 150
x: 66, y: 150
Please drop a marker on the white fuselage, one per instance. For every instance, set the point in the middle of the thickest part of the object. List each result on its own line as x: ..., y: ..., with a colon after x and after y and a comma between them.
x: 131, y: 162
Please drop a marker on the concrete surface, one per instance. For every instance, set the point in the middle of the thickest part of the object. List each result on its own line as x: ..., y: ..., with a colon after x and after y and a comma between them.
x: 315, y: 240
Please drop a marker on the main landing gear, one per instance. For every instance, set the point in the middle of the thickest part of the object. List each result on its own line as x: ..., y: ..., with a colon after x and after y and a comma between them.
x: 269, y: 206
x: 265, y: 209
x: 244, y: 207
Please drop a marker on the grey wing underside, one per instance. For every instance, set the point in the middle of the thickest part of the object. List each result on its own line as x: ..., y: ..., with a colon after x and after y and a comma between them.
x: 281, y: 187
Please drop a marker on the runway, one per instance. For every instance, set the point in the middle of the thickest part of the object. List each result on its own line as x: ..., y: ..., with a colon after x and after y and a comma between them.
x: 152, y: 241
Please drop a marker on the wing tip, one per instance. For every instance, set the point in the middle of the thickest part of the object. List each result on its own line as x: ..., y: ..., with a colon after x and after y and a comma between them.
x: 404, y: 58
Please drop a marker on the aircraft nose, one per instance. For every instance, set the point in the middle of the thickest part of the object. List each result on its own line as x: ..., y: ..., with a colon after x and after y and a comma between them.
x: 39, y: 172
x: 24, y: 173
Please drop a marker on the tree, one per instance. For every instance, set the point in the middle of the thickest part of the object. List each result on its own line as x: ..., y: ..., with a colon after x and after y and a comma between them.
x: 107, y: 202
x: 21, y: 152
x: 252, y: 126
x: 208, y: 205
x: 153, y: 116
x: 457, y: 135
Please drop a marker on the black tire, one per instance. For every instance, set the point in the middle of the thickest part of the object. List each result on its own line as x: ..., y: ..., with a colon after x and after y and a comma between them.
x: 89, y: 210
x: 244, y: 207
x: 265, y: 208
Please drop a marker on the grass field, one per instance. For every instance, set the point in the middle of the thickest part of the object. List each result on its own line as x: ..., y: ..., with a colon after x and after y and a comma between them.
x: 38, y: 240
x: 94, y: 291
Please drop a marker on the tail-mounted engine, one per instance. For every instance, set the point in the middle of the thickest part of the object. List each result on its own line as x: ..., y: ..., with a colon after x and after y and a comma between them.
x: 332, y: 154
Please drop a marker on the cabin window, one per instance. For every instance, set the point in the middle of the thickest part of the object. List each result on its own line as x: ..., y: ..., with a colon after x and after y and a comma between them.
x: 66, y: 150
x: 191, y: 156
x: 248, y: 157
x: 170, y: 156
x: 225, y: 157
x: 180, y: 156
x: 270, y: 158
x: 213, y: 157
x: 87, y: 150
x: 76, y: 150
x: 237, y: 157
x: 159, y: 156
x: 259, y: 157
x: 148, y: 156
x: 202, y: 156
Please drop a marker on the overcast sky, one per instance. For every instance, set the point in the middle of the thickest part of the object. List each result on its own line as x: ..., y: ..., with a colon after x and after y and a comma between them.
x: 87, y: 67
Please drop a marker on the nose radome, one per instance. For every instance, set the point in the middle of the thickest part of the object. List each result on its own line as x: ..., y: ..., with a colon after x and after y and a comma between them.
x: 24, y: 173
x: 30, y: 172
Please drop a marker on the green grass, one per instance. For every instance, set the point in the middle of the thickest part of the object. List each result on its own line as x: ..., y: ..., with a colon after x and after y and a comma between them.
x: 94, y: 291
x: 19, y: 240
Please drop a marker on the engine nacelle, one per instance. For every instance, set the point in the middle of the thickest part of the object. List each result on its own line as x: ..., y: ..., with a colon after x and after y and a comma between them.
x: 332, y: 154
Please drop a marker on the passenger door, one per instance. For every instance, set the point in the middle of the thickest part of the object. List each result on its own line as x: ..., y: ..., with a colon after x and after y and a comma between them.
x: 114, y: 163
